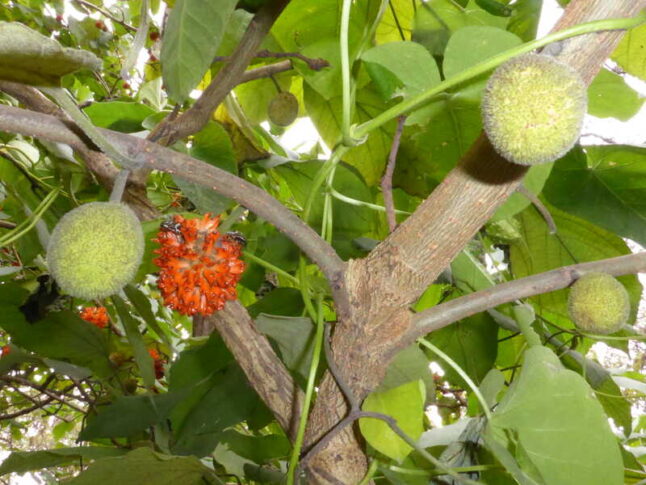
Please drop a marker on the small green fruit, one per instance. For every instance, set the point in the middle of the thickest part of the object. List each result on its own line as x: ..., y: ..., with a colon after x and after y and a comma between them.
x: 95, y: 249
x: 283, y: 109
x: 599, y: 304
x: 533, y: 109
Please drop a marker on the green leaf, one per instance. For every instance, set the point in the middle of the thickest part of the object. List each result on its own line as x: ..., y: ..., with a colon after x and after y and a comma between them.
x: 406, y: 405
x: 31, y: 58
x: 437, y: 20
x: 350, y: 221
x: 610, y: 96
x: 534, y: 181
x: 26, y: 461
x: 554, y: 426
x: 471, y: 45
x: 143, y: 465
x: 408, y: 62
x: 237, y: 451
x: 605, y: 185
x: 140, y: 352
x: 294, y: 337
x: 311, y: 28
x: 396, y: 20
x: 369, y: 157
x: 142, y: 304
x: 213, y: 146
x: 121, y: 116
x: 198, y: 363
x: 525, y: 18
x: 215, y: 404
x: 191, y: 38
x: 630, y: 54
x: 577, y: 241
x: 129, y: 415
x: 472, y: 343
x: 279, y: 301
x: 60, y: 335
x: 411, y: 364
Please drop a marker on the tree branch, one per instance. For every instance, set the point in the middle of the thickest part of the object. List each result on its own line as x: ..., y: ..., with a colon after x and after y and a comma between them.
x: 383, y: 285
x: 153, y: 156
x: 194, y: 119
x: 387, y: 179
x: 97, y: 162
x: 446, y: 313
x: 264, y: 370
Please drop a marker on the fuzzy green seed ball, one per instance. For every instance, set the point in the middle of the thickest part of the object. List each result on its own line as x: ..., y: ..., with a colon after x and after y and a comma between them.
x: 96, y: 249
x: 533, y: 109
x: 599, y: 304
x: 283, y: 109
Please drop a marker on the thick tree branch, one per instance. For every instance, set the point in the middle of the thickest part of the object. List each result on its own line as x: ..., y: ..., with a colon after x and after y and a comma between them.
x: 384, y: 284
x: 442, y: 315
x: 264, y: 370
x: 194, y: 119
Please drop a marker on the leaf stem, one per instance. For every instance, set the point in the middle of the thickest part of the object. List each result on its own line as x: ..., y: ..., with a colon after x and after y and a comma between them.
x: 461, y: 373
x: 25, y: 226
x: 345, y: 71
x: 415, y: 102
x: 309, y: 392
x: 271, y: 267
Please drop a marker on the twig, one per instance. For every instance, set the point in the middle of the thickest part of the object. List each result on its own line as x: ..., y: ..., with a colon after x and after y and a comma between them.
x: 105, y: 13
x: 266, y: 71
x: 7, y: 224
x: 387, y: 180
x: 313, y: 64
x: 446, y: 313
x: 540, y: 207
x: 194, y: 119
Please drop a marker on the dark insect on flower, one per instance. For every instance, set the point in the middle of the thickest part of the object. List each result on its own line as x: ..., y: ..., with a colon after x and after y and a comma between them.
x: 237, y: 237
x: 171, y: 225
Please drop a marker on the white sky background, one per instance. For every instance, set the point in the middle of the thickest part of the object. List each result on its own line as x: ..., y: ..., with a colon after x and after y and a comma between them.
x: 302, y: 136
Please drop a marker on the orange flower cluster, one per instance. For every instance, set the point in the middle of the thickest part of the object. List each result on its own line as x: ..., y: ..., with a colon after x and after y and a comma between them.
x: 200, y: 267
x: 159, y: 363
x: 96, y: 315
x: 5, y: 350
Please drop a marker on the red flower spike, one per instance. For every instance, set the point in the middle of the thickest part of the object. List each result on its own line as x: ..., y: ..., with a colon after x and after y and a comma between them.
x: 200, y: 267
x: 96, y: 315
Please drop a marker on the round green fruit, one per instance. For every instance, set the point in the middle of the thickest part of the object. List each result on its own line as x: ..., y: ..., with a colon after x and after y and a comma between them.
x: 533, y: 109
x: 95, y: 249
x: 283, y: 109
x: 599, y: 304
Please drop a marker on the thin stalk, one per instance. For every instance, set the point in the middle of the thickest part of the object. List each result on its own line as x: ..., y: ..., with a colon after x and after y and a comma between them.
x: 28, y: 224
x: 461, y: 373
x: 270, y: 267
x: 372, y: 469
x: 320, y: 177
x: 309, y: 392
x: 345, y: 70
x: 361, y: 203
x: 415, y: 102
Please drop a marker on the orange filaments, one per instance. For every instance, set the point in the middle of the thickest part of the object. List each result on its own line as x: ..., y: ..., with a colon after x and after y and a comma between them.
x: 200, y: 267
x: 96, y: 315
x: 158, y: 363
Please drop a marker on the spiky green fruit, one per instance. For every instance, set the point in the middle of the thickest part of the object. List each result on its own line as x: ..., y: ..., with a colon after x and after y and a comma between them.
x: 533, y: 109
x: 283, y: 109
x: 95, y: 249
x: 598, y: 303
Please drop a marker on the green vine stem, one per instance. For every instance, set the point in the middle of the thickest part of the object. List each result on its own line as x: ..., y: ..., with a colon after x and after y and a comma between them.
x: 359, y: 132
x: 345, y: 71
x: 461, y: 373
x: 309, y: 392
x: 31, y: 221
x: 270, y: 267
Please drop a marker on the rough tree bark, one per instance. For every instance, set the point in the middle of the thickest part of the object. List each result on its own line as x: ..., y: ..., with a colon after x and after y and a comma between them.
x: 384, y: 284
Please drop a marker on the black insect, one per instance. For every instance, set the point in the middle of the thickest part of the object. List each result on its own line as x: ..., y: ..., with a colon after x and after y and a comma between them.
x: 169, y: 225
x: 237, y: 237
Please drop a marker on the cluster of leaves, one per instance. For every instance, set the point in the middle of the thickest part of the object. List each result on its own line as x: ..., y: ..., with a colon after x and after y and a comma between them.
x: 143, y: 426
